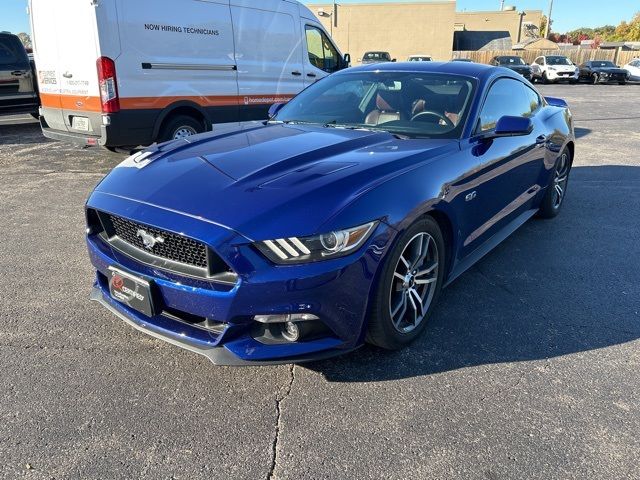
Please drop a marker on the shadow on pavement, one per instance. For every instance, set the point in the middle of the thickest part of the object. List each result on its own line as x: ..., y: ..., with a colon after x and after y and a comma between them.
x: 556, y: 287
x: 21, y: 133
x: 582, y: 132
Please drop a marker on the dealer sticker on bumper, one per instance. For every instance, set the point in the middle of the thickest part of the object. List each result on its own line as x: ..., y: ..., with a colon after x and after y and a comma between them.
x: 130, y: 290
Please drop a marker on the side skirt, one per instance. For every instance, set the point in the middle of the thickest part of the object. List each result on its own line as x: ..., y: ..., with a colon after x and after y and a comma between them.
x: 467, y: 262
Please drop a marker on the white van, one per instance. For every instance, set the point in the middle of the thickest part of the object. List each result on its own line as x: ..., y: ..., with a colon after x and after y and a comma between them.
x: 131, y: 72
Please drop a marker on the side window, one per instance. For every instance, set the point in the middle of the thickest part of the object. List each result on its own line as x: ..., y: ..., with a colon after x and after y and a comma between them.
x: 534, y: 100
x: 322, y: 53
x: 11, y: 51
x: 506, y: 97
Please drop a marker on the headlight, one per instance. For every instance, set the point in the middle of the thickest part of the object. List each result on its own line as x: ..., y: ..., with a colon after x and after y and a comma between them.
x: 334, y: 244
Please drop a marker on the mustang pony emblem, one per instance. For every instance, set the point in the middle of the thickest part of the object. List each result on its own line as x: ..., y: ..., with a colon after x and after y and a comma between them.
x: 148, y: 240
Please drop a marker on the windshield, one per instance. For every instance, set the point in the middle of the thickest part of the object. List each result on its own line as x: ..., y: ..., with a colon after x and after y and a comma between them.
x: 412, y: 104
x: 377, y: 56
x: 558, y: 61
x: 602, y: 64
x: 510, y: 61
x: 420, y: 59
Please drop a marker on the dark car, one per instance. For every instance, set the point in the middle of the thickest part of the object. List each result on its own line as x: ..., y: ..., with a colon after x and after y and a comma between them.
x: 376, y: 57
x: 336, y: 222
x: 602, y: 71
x: 513, y: 62
x: 18, y: 92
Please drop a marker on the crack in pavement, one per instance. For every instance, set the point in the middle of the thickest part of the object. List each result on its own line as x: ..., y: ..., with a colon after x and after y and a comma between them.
x: 280, y: 397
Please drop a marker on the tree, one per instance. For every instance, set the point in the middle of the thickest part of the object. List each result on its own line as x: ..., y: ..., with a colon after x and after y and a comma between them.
x: 25, y: 38
x: 543, y: 26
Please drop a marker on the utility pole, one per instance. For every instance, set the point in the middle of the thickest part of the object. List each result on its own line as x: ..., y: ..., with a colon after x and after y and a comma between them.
x: 501, y: 5
x: 335, y: 14
x: 548, y: 32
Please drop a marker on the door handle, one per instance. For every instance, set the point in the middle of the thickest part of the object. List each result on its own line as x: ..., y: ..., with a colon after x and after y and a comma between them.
x: 67, y: 75
x: 296, y: 73
x: 311, y: 75
x: 18, y: 73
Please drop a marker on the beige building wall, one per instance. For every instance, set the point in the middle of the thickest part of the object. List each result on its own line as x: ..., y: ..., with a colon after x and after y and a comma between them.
x: 498, y: 21
x: 402, y: 29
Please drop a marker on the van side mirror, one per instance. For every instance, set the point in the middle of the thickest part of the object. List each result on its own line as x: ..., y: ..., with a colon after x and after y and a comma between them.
x: 347, y: 60
x: 509, y: 126
x: 274, y: 109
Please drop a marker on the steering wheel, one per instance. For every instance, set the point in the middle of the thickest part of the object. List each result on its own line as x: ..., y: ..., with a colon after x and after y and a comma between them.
x: 431, y: 113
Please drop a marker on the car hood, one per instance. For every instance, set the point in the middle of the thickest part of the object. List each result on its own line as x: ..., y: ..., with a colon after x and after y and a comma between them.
x: 609, y: 70
x: 518, y: 68
x: 268, y: 181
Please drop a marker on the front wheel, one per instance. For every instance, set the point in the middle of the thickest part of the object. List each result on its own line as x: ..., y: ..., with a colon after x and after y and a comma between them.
x: 408, y: 287
x: 557, y: 189
x: 622, y: 83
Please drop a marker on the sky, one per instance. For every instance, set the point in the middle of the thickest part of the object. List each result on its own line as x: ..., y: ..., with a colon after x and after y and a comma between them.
x: 567, y: 14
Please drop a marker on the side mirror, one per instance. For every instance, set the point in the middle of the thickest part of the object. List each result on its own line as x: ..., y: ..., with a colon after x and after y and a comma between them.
x: 394, y: 60
x: 274, y: 109
x: 509, y: 126
x: 347, y: 60
x: 556, y: 102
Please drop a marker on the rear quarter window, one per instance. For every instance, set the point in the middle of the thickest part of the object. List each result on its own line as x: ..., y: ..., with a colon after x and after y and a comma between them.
x: 12, y: 52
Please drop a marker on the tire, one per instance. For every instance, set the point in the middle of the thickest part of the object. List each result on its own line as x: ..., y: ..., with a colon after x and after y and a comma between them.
x: 622, y: 83
x: 180, y: 126
x: 395, y: 295
x: 595, y: 78
x: 557, y: 189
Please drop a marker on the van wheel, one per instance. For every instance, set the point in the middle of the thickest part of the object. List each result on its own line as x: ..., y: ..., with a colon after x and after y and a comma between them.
x: 179, y: 127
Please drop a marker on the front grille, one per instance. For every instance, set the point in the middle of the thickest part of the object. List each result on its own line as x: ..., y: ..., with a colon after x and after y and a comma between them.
x: 170, y: 246
x: 163, y: 249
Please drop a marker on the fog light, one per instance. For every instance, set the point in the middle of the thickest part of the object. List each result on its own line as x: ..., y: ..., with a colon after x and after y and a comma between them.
x: 290, y: 332
x: 287, y: 317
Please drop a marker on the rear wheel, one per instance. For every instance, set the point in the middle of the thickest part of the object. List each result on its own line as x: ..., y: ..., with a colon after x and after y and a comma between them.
x: 557, y: 189
x: 178, y: 127
x: 408, y: 287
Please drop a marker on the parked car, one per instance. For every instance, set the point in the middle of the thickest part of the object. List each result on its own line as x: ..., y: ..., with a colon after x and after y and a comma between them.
x: 122, y: 73
x: 18, y: 93
x: 419, y: 58
x: 602, y: 71
x: 462, y: 60
x: 512, y: 62
x: 553, y: 69
x: 376, y: 57
x: 633, y: 67
x: 338, y: 220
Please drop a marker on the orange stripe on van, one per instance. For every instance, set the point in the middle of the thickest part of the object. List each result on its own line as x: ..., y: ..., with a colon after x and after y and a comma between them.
x: 92, y: 104
x: 71, y: 102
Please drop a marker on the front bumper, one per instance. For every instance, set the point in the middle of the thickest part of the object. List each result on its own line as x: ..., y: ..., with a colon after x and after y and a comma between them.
x: 562, y: 76
x: 336, y: 291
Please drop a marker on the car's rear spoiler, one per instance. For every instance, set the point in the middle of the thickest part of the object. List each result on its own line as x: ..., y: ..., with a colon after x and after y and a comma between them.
x: 556, y: 102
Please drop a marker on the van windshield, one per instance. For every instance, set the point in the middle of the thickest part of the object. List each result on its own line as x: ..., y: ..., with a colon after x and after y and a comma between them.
x: 411, y: 104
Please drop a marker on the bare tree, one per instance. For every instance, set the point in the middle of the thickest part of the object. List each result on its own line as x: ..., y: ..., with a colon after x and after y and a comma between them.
x: 25, y: 38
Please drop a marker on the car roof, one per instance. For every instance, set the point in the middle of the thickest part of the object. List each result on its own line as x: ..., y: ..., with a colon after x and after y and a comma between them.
x: 477, y: 70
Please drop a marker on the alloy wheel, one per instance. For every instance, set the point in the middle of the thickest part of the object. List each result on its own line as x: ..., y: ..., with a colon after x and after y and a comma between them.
x: 414, y: 283
x: 560, y: 179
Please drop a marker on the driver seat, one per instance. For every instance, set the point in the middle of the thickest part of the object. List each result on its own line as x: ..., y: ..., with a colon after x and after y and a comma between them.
x: 387, y: 108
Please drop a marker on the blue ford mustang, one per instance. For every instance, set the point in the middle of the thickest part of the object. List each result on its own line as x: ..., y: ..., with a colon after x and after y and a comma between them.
x: 336, y: 222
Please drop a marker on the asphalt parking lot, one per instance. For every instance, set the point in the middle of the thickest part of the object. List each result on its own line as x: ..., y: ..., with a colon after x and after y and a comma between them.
x: 529, y: 368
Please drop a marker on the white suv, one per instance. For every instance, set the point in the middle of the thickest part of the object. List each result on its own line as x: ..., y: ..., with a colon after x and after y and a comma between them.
x: 554, y: 68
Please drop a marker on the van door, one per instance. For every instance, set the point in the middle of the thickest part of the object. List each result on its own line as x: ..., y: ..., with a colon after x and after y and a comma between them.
x: 66, y: 50
x: 321, y: 55
x: 178, y: 52
x: 269, y: 57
